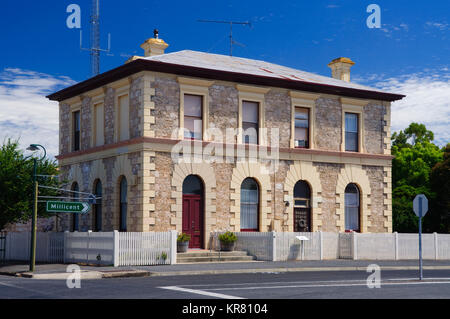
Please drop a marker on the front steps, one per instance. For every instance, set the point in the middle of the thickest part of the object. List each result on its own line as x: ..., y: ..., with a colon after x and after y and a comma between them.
x: 202, y: 256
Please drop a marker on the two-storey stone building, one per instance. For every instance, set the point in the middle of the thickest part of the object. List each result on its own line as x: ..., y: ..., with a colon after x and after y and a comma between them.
x: 200, y: 142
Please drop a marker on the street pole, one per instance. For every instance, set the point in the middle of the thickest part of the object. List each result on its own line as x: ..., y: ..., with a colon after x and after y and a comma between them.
x: 33, y: 219
x: 34, y: 147
x: 420, y: 239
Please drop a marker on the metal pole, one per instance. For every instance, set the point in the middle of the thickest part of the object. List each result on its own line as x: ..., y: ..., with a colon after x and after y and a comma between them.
x: 420, y: 239
x: 33, y: 219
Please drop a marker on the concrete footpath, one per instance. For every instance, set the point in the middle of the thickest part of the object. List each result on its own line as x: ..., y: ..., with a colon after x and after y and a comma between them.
x: 60, y: 271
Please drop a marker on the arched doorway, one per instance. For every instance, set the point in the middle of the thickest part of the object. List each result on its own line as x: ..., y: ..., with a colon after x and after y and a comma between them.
x: 193, y: 223
x: 302, y: 207
x: 352, y: 211
x: 249, y: 205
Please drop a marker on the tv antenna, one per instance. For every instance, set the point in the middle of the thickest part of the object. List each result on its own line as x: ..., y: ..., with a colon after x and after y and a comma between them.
x: 95, y: 39
x: 231, y: 30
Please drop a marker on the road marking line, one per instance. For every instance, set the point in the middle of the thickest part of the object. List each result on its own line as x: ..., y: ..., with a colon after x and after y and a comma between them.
x: 307, y: 282
x: 201, y: 292
x: 26, y: 289
x: 331, y: 285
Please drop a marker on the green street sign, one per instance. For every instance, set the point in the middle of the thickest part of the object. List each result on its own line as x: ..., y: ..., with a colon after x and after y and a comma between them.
x: 67, y: 207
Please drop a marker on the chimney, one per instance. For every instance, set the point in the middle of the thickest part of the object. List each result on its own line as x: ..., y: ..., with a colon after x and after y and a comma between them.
x: 340, y: 68
x: 154, y: 46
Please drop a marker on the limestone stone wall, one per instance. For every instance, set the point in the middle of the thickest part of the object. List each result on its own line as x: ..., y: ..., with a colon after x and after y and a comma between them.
x: 135, y: 107
x: 109, y: 171
x: 223, y: 108
x: 86, y: 124
x: 167, y: 106
x: 377, y: 195
x: 328, y: 174
x: 64, y: 128
x: 278, y: 115
x: 327, y: 135
x: 373, y: 127
x: 110, y: 112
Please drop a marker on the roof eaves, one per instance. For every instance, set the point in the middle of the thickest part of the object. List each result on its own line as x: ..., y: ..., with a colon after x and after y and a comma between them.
x: 157, y: 66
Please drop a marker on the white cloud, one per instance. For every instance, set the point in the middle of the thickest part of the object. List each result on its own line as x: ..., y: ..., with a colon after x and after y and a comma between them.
x: 439, y: 25
x: 427, y: 101
x: 25, y: 112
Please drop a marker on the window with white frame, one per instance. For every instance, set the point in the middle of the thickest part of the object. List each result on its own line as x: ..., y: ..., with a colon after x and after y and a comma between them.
x: 351, y: 132
x: 301, y: 139
x: 193, y: 119
x: 250, y: 122
x: 352, y: 208
x: 249, y: 205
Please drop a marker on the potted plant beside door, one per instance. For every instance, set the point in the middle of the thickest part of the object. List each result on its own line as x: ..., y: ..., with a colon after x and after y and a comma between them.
x: 183, y: 242
x: 227, y: 241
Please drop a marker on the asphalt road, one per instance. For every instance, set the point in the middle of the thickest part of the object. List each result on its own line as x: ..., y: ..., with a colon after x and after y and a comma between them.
x: 299, y: 285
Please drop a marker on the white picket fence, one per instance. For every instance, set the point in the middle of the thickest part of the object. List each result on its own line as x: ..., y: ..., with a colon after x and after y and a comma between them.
x: 101, y: 248
x: 283, y: 246
x: 152, y: 248
x: 393, y: 246
x: 49, y: 247
x: 137, y: 249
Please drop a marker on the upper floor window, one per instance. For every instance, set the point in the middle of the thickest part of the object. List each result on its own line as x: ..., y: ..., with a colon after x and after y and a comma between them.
x: 124, y: 118
x: 351, y: 132
x: 301, y: 127
x: 76, y: 130
x: 250, y: 123
x: 99, y: 124
x: 193, y: 121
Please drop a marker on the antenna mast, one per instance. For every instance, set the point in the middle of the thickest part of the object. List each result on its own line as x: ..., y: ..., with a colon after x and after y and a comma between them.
x: 231, y: 30
x: 95, y: 38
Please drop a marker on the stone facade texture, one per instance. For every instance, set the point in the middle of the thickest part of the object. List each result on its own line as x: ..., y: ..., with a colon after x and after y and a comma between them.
x: 149, y: 168
x: 327, y: 135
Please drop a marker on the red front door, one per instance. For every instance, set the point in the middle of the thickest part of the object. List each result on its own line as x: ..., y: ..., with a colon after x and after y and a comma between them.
x: 193, y: 219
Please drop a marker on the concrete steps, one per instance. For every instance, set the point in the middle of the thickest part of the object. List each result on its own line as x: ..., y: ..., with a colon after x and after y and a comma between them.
x: 202, y: 256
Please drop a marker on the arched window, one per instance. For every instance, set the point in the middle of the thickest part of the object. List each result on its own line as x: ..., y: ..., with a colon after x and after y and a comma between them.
x: 98, y: 206
x: 302, y: 207
x: 75, y: 196
x: 123, y: 204
x: 352, y: 211
x: 192, y: 185
x: 249, y: 205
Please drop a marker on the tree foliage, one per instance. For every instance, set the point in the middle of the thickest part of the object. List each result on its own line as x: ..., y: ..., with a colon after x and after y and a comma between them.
x: 440, y: 184
x: 16, y: 183
x: 415, y: 157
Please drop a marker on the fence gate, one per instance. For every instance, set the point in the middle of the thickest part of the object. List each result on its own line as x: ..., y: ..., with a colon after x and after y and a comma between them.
x: 346, y: 245
x: 2, y: 247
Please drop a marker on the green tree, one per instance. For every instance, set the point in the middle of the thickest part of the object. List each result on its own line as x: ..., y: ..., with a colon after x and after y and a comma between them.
x: 440, y: 185
x: 411, y: 171
x: 16, y: 185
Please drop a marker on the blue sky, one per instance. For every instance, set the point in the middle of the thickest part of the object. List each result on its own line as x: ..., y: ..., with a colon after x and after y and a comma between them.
x: 409, y: 54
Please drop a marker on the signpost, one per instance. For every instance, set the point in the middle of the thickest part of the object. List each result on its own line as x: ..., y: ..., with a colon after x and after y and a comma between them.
x: 302, y: 240
x: 67, y: 207
x: 420, y: 206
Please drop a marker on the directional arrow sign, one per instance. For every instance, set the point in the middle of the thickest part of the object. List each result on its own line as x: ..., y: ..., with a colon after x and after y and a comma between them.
x: 68, y: 207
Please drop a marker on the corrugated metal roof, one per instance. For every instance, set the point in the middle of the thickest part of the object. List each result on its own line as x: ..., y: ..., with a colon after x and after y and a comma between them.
x: 249, y: 66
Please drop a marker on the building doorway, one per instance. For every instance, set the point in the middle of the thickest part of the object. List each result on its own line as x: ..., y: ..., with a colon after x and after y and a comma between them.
x: 193, y: 210
x: 302, y: 207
